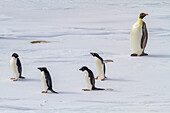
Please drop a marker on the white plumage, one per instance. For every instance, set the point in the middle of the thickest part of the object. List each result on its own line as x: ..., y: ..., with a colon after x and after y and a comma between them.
x: 43, y: 80
x: 87, y: 79
x: 136, y: 36
x: 99, y: 67
x: 14, y: 67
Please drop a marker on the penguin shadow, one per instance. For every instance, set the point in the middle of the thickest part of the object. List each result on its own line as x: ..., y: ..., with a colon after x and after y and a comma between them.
x: 68, y: 93
x: 51, y: 93
x: 118, y: 80
x: 159, y: 56
x: 15, y: 107
x: 30, y: 80
x: 62, y: 92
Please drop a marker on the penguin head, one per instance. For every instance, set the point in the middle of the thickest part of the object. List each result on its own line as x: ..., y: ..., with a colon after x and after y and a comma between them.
x: 15, y: 55
x: 83, y: 68
x: 142, y: 15
x: 42, y: 68
x: 95, y: 55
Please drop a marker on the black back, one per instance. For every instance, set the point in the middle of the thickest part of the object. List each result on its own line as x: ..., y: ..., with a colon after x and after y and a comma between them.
x: 48, y: 79
x: 92, y: 80
x: 144, y: 36
x: 104, y: 66
x: 90, y: 74
x: 19, y: 67
x: 97, y: 55
x: 102, y: 61
x: 104, y: 69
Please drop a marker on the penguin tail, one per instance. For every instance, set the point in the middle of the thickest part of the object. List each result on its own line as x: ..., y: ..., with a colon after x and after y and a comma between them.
x: 108, y: 89
x: 22, y: 77
x: 94, y: 88
x: 53, y: 91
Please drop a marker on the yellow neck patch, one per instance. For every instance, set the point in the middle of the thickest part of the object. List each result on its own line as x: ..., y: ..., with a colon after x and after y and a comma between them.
x: 140, y: 21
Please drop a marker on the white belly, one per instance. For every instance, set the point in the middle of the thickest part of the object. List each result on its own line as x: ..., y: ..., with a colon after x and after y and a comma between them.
x: 43, y: 81
x: 135, y: 39
x: 87, y: 79
x: 99, y: 67
x: 14, y: 68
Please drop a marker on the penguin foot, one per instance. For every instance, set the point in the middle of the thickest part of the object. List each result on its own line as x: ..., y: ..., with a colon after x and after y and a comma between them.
x: 86, y: 89
x: 12, y: 78
x: 96, y: 78
x: 15, y: 80
x: 133, y: 54
x: 103, y: 79
x: 144, y: 54
x: 22, y: 77
x: 44, y: 92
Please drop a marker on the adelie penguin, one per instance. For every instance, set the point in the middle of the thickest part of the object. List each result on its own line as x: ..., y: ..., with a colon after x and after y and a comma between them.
x: 90, y: 80
x: 139, y: 37
x: 46, y: 80
x: 100, y: 66
x: 16, y: 67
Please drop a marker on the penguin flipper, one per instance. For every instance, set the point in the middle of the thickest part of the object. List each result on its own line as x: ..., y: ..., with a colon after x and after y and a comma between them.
x: 144, y: 38
x: 48, y: 80
x: 107, y: 61
x: 104, y: 69
x: 92, y: 80
x: 19, y: 67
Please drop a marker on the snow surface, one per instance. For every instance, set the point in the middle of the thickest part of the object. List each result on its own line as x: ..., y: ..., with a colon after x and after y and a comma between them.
x: 76, y: 28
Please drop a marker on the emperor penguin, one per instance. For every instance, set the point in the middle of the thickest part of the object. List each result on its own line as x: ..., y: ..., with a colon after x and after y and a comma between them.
x: 16, y: 67
x: 100, y: 66
x: 46, y: 80
x: 139, y: 37
x: 89, y: 78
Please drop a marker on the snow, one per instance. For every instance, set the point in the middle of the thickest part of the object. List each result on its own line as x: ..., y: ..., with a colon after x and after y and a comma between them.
x: 76, y: 28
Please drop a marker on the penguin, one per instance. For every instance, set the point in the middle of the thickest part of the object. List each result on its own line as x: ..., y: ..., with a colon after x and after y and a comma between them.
x: 16, y: 67
x: 100, y: 66
x: 139, y: 37
x: 46, y: 80
x: 89, y: 78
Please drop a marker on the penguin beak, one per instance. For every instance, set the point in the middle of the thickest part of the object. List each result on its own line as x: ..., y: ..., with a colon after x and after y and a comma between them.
x: 146, y: 14
x: 39, y: 68
x: 142, y: 15
x: 92, y: 54
x: 81, y: 69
